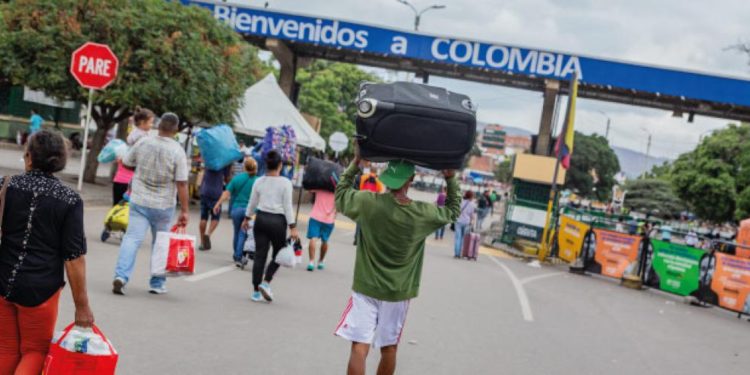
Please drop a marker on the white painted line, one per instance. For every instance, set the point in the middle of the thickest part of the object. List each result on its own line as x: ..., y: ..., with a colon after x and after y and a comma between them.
x: 523, y: 299
x: 540, y: 277
x: 211, y: 273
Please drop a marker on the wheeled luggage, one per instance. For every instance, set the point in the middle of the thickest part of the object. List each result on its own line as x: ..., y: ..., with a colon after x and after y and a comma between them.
x: 321, y: 175
x: 116, y: 220
x: 470, y: 247
x: 426, y: 125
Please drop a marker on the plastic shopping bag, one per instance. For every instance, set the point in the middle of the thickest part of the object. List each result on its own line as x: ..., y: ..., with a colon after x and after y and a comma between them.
x: 286, y: 257
x: 174, y: 253
x: 116, y: 148
x: 298, y: 252
x: 218, y: 147
x: 80, y: 351
x: 249, y: 246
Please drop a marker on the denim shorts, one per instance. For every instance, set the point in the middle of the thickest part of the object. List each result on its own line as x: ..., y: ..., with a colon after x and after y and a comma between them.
x: 207, y: 209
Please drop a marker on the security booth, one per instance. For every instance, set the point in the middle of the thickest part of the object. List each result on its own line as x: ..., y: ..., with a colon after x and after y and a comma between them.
x: 527, y: 205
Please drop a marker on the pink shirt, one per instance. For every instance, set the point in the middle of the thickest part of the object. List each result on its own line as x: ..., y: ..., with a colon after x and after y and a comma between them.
x: 324, y: 209
x: 123, y: 175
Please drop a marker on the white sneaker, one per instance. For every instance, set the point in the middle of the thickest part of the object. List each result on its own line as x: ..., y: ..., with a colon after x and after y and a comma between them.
x: 265, y: 290
x: 159, y: 290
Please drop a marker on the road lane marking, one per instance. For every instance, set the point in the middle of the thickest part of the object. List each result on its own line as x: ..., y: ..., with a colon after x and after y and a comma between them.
x: 523, y: 298
x: 494, y: 252
x: 540, y: 277
x: 212, y: 273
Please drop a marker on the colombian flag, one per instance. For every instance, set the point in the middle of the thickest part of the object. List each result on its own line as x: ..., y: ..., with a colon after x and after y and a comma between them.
x: 564, y: 146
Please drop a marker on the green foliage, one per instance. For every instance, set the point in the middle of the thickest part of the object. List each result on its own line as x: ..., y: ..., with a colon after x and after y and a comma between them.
x: 504, y: 171
x: 591, y: 153
x: 713, y: 179
x: 172, y: 57
x: 662, y: 171
x: 653, y: 195
x: 328, y: 91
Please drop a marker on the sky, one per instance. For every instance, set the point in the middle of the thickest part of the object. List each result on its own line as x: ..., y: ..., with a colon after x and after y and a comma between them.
x: 686, y: 34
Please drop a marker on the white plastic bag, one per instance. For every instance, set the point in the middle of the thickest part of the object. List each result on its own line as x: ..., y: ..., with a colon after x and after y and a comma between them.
x: 160, y: 254
x: 84, y: 340
x: 285, y: 257
x: 249, y: 245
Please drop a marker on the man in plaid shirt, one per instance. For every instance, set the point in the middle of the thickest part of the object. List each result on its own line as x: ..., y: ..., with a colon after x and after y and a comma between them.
x: 161, y: 173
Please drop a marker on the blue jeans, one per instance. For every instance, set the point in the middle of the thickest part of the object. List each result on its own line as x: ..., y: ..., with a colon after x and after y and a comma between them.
x: 461, y: 230
x: 440, y: 233
x: 140, y: 221
x: 238, y: 215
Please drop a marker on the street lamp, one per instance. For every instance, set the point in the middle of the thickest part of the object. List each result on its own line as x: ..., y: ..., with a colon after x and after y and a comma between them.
x: 417, y: 17
x: 418, y: 13
x: 609, y: 121
x: 648, y: 151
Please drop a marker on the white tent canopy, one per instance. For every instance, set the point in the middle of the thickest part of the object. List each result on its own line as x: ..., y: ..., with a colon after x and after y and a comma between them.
x: 266, y: 105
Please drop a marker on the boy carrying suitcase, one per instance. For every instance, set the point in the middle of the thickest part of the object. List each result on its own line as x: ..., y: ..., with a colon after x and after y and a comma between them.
x: 390, y: 254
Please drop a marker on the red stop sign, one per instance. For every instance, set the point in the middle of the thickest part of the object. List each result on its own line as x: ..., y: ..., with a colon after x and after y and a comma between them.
x: 94, y: 65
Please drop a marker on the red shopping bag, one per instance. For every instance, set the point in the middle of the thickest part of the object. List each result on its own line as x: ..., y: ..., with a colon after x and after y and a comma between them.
x: 181, y: 256
x: 61, y: 361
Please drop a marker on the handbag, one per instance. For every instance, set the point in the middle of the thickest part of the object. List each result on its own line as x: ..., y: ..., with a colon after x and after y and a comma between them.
x: 173, y: 254
x: 81, y: 352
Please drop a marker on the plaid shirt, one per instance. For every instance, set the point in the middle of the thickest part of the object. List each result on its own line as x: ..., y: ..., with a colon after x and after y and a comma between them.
x: 159, y: 162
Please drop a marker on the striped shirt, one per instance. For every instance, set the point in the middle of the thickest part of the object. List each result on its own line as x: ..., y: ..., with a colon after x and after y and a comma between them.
x: 159, y: 162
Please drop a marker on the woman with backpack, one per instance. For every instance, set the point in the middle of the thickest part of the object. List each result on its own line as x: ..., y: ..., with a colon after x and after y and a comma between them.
x: 464, y: 223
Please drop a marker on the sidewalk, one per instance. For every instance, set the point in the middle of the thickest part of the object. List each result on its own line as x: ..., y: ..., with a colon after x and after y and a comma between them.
x: 99, y: 194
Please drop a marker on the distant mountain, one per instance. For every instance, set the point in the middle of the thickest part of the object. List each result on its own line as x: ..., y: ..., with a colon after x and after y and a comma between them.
x: 631, y: 162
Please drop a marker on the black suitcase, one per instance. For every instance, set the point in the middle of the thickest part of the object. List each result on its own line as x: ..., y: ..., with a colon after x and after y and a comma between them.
x: 426, y: 125
x: 321, y: 175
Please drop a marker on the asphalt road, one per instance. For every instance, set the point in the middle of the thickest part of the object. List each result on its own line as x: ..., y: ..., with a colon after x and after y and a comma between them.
x: 494, y: 316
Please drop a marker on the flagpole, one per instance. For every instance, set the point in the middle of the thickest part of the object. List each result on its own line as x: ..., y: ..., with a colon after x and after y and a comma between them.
x: 546, y: 244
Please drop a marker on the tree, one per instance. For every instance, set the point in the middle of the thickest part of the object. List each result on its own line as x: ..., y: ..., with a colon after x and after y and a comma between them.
x: 504, y: 171
x: 328, y: 91
x: 662, y: 171
x: 593, y: 167
x: 714, y: 178
x: 172, y: 58
x: 653, y: 196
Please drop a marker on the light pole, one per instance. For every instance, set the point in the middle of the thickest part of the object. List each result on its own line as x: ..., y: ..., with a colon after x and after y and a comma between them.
x: 417, y: 17
x: 418, y: 13
x: 648, y: 151
x: 609, y: 122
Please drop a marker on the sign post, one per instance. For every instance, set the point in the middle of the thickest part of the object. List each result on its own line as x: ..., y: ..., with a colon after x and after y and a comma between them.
x: 338, y: 142
x: 94, y: 66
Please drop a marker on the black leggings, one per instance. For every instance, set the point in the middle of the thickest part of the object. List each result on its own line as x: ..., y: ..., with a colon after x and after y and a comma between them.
x: 118, y: 192
x: 269, y: 230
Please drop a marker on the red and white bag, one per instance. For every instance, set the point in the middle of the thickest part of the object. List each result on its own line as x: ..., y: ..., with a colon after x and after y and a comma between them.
x: 174, y: 253
x: 80, y: 351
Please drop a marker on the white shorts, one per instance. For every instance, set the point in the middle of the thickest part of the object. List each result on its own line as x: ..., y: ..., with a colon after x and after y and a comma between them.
x: 371, y: 321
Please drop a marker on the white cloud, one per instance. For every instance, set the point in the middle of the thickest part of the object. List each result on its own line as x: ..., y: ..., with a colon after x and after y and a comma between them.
x: 687, y: 34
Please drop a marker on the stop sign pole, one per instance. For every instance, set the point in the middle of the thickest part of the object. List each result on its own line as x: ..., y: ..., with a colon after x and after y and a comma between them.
x: 94, y: 66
